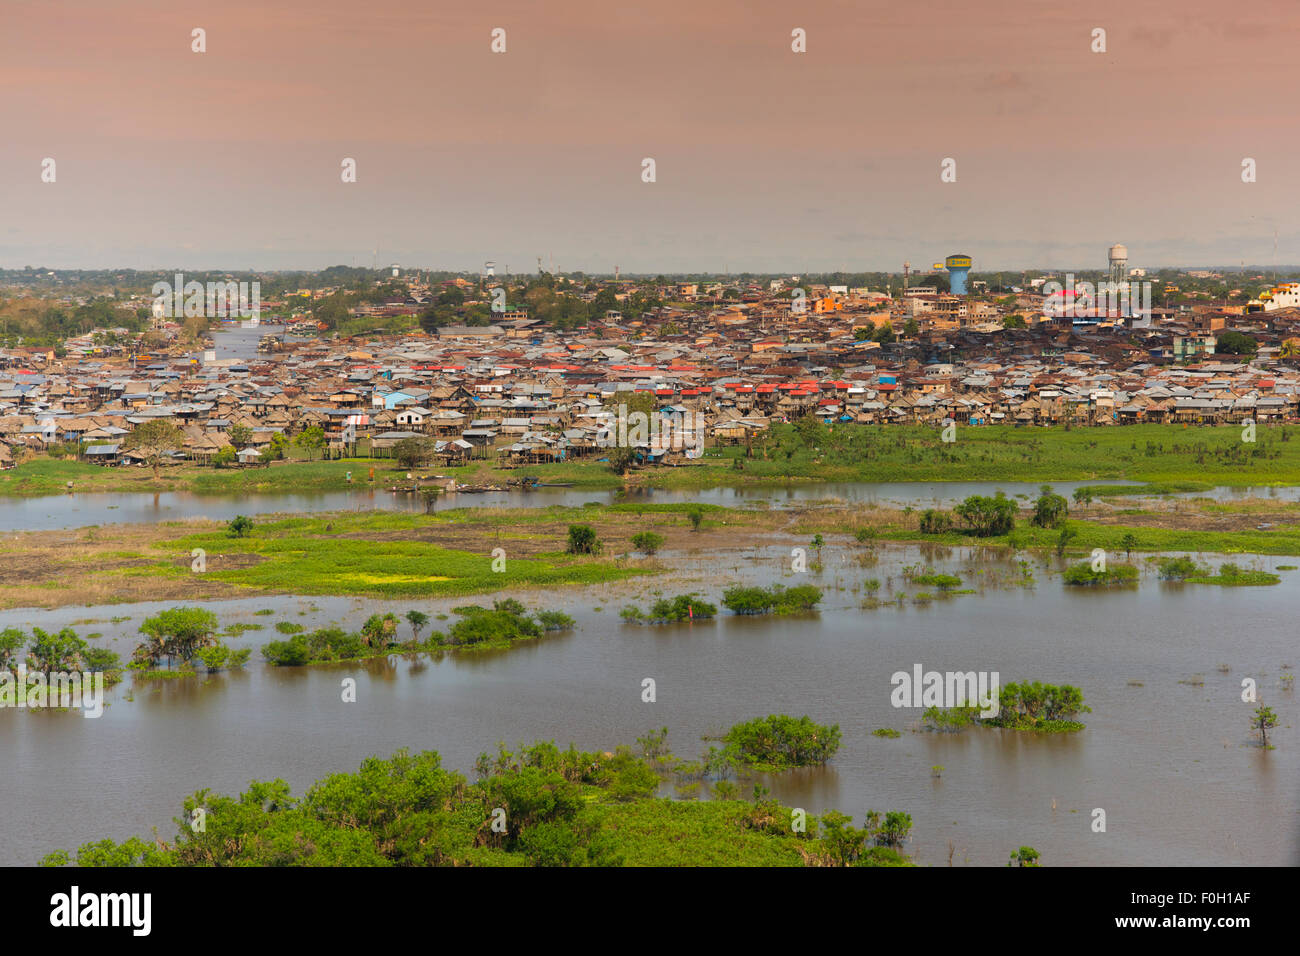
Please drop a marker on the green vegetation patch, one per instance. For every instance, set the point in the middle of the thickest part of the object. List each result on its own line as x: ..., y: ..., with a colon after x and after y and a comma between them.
x: 779, y: 742
x: 1084, y: 574
x: 312, y: 556
x: 776, y: 599
x: 683, y: 607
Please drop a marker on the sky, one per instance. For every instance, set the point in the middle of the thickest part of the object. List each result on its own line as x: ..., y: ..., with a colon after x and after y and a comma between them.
x: 766, y: 160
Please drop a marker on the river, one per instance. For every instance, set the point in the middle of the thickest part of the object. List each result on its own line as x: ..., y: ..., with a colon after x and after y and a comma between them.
x: 54, y: 512
x: 1168, y: 759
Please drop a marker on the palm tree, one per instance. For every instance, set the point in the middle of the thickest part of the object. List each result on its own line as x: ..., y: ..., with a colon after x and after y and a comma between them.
x: 1290, y: 348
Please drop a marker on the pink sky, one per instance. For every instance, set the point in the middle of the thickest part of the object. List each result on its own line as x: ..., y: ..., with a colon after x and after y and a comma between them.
x: 767, y: 160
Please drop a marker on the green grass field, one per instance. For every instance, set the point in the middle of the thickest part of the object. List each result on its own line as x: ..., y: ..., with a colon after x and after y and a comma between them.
x: 1169, y: 457
x: 314, y: 555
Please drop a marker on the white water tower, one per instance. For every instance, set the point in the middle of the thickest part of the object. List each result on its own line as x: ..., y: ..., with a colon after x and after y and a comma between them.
x: 489, y: 269
x: 1118, y: 259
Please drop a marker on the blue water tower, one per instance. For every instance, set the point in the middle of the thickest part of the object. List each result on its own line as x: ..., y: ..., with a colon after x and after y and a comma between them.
x: 958, y: 269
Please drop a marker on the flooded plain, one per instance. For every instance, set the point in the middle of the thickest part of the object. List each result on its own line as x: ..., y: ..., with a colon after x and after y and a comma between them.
x: 1167, y: 751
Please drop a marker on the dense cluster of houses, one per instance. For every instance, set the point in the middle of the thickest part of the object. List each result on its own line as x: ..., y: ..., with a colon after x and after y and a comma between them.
x: 518, y: 392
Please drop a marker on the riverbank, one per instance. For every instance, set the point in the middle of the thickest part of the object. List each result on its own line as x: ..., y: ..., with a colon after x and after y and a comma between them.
x: 1168, y: 458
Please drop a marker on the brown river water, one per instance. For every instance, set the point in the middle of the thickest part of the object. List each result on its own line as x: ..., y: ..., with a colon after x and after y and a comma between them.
x: 1169, y: 759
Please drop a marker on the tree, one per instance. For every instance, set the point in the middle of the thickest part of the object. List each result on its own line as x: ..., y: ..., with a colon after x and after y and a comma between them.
x: 695, y: 514
x: 1025, y: 856
x: 11, y: 642
x: 239, y: 526
x: 1128, y: 543
x: 1050, y: 509
x: 884, y: 333
x: 809, y: 429
x: 177, y: 633
x: 240, y: 436
x: 378, y: 630
x: 224, y: 456
x: 418, y: 621
x: 154, y: 441
x: 621, y: 459
x: 647, y: 541
x: 583, y: 540
x: 61, y: 651
x: 895, y: 829
x: 934, y: 521
x: 310, y: 440
x: 843, y: 842
x: 1236, y: 343
x: 1013, y: 322
x: 987, y: 516
x: 220, y: 656
x: 1262, y: 722
x: 413, y: 452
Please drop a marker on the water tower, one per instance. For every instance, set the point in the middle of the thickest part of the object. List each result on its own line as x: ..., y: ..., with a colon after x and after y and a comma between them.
x: 489, y: 269
x: 958, y: 269
x: 1118, y: 259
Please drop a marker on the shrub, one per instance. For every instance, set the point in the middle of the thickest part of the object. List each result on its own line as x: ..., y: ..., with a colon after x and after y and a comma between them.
x: 219, y: 656
x: 1082, y: 574
x: 239, y: 526
x: 1176, y: 569
x: 554, y: 621
x: 101, y: 659
x: 647, y: 542
x: 780, y: 742
x: 1050, y: 509
x: 683, y: 607
x: 583, y: 540
x: 988, y: 516
x: 934, y: 521
x: 756, y: 600
x: 1036, y: 706
x: 941, y: 581
x: 508, y: 621
x: 291, y: 653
